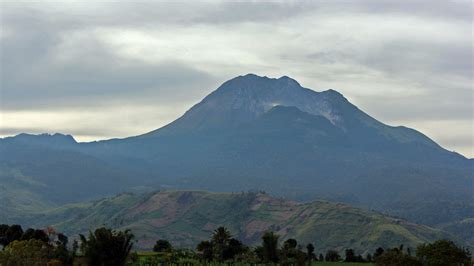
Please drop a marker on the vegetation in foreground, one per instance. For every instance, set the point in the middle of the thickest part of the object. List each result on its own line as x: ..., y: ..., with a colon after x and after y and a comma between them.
x: 106, y: 247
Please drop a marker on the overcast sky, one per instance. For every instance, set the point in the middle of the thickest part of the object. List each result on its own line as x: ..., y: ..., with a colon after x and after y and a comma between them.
x: 105, y: 70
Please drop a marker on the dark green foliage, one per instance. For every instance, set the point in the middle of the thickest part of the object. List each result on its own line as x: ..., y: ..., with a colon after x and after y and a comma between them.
x: 162, y: 246
x: 221, y: 247
x: 37, y: 234
x: 350, y: 256
x: 290, y: 244
x: 291, y: 253
x: 234, y: 248
x: 27, y: 247
x: 62, y: 240
x: 220, y: 242
x: 332, y: 255
x: 321, y: 257
x: 443, y: 253
x: 26, y: 252
x: 310, y: 252
x: 270, y: 247
x: 3, y: 229
x: 15, y: 232
x: 133, y: 257
x: 368, y: 257
x: 75, y: 247
x: 9, y: 234
x: 259, y: 253
x: 396, y: 257
x: 378, y: 252
x: 106, y: 247
x: 62, y: 253
x: 205, y: 248
x: 289, y: 248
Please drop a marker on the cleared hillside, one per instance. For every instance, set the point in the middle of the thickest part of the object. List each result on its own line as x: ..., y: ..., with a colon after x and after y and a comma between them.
x: 187, y: 217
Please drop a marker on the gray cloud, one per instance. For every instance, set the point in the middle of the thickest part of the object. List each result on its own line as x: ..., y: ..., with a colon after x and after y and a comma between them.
x: 39, y: 73
x: 402, y: 62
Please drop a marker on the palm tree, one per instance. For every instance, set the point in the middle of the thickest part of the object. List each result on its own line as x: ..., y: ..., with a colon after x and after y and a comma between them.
x: 220, y: 240
x: 270, y: 246
x: 105, y: 247
x: 221, y: 235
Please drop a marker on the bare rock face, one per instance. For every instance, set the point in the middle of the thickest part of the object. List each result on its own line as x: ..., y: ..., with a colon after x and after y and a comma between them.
x: 245, y: 98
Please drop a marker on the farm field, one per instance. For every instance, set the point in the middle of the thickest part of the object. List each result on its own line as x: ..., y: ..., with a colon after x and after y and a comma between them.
x: 156, y: 258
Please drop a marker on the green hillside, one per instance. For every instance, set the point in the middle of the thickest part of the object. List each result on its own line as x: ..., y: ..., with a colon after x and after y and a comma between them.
x: 18, y: 196
x: 187, y: 217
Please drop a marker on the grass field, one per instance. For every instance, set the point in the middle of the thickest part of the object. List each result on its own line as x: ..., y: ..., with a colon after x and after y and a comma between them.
x: 341, y: 263
x: 155, y: 258
x: 249, y: 264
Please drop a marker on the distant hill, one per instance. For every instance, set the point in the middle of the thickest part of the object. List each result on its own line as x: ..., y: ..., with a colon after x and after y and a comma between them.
x: 260, y: 133
x: 19, y: 195
x: 46, y: 165
x: 187, y: 217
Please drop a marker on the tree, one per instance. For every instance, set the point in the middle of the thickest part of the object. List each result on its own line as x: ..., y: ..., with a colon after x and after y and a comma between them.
x: 27, y: 252
x: 221, y: 235
x: 62, y: 240
x: 3, y: 229
x: 321, y: 257
x: 396, y: 257
x: 205, y: 248
x: 234, y: 248
x: 106, y: 247
x: 443, y: 252
x: 221, y: 247
x: 379, y: 251
x: 290, y: 244
x: 270, y: 247
x: 9, y: 234
x: 350, y: 256
x: 289, y: 251
x: 368, y: 257
x: 220, y: 240
x: 310, y: 252
x: 61, y: 252
x: 75, y: 247
x: 37, y: 234
x: 332, y: 255
x: 162, y: 246
x: 259, y: 253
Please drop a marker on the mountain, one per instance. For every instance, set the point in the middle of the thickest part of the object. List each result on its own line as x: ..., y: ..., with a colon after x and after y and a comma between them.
x: 52, y: 172
x: 260, y: 133
x: 188, y: 217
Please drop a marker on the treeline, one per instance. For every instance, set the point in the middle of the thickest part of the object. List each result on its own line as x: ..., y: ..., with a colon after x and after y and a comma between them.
x: 110, y: 247
x: 221, y: 247
x: 34, y: 246
x: 37, y: 247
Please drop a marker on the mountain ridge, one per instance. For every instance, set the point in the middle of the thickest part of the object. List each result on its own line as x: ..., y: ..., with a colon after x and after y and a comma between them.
x: 249, y: 78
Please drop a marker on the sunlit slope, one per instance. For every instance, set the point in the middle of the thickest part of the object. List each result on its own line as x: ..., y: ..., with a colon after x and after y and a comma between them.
x: 187, y: 217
